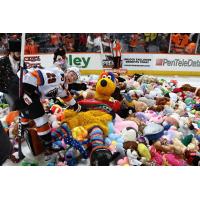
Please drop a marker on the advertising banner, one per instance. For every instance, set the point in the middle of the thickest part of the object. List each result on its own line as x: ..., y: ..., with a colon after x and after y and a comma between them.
x: 176, y: 62
x: 83, y: 61
x: 96, y: 61
x: 137, y: 61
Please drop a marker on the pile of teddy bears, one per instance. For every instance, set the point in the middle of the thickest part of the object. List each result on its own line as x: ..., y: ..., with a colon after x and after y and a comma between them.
x: 125, y: 120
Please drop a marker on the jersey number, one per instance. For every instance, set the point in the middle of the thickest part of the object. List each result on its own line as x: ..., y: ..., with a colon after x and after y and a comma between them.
x: 51, y: 77
x: 180, y: 41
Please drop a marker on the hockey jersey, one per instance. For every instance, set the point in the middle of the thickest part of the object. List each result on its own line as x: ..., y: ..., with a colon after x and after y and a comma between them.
x: 50, y: 84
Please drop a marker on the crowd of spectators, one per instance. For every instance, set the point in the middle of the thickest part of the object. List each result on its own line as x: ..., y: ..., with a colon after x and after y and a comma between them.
x: 98, y: 42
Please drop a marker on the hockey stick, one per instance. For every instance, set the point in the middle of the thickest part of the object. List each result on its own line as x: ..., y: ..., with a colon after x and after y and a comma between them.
x: 20, y: 154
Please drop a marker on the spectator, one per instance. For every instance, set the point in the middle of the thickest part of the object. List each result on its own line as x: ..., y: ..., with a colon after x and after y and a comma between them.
x: 179, y: 41
x: 97, y: 45
x: 190, y: 48
x: 31, y: 47
x: 106, y: 43
x: 90, y: 43
x: 163, y: 42
x: 150, y: 40
x: 69, y: 43
x: 54, y: 40
x: 82, y: 42
x: 133, y: 42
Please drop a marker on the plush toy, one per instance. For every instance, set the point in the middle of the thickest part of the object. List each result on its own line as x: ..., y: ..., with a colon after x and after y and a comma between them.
x: 192, y: 157
x: 104, y: 89
x: 158, y: 119
x: 13, y: 130
x: 127, y: 106
x: 133, y: 158
x: 179, y: 147
x: 114, y: 142
x: 120, y: 124
x: 123, y: 162
x: 135, y: 94
x: 53, y: 121
x: 133, y: 145
x: 140, y: 118
x: 171, y: 121
x: 179, y: 93
x: 150, y: 114
x: 153, y: 131
x: 55, y: 109
x: 79, y: 133
x: 157, y: 108
x: 193, y: 145
x: 156, y: 157
x: 144, y: 151
x: 155, y: 93
x: 163, y: 101
x: 129, y: 134
x: 88, y: 94
x: 87, y: 119
x: 163, y: 147
x: 105, y: 86
x: 139, y: 106
x: 147, y: 79
x: 149, y: 102
x: 184, y: 126
x: 173, y: 160
x: 11, y: 117
x: 180, y: 107
x: 172, y: 133
x: 95, y: 122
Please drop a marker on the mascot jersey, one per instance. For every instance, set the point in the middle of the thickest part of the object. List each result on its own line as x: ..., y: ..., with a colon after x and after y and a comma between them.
x: 50, y: 84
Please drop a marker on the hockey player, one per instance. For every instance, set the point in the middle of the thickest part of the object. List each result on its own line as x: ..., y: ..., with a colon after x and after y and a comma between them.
x: 42, y: 84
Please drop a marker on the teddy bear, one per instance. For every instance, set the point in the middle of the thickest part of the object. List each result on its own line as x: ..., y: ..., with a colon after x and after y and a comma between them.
x: 147, y: 79
x: 149, y: 102
x: 127, y: 106
x: 140, y: 106
x: 188, y: 87
x: 180, y: 93
x: 129, y: 134
x: 184, y: 126
x: 171, y: 120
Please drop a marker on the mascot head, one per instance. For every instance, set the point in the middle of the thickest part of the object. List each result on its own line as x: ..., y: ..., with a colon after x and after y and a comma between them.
x: 106, y: 84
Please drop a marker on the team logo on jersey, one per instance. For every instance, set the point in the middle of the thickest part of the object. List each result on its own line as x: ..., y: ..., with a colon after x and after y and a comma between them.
x: 52, y: 93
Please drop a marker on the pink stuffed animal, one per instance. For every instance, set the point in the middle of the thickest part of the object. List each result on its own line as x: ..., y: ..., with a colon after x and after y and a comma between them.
x: 157, y: 119
x: 120, y: 124
x: 155, y: 156
x: 173, y: 160
x: 123, y: 162
x: 150, y: 114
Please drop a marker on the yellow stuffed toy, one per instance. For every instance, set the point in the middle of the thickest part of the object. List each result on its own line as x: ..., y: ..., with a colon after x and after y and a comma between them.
x: 88, y: 119
x: 79, y: 133
x: 105, y: 86
x: 95, y: 122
